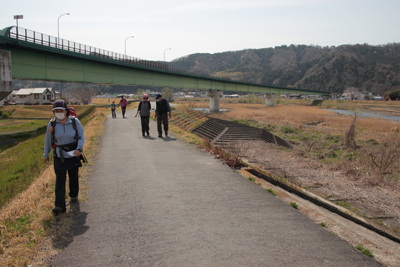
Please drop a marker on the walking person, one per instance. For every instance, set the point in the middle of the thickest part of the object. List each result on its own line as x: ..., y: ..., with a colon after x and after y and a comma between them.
x: 123, y: 104
x: 144, y: 108
x: 65, y: 135
x: 163, y: 111
x: 113, y: 109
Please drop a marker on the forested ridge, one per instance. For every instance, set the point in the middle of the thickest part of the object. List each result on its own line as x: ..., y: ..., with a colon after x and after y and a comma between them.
x: 369, y: 68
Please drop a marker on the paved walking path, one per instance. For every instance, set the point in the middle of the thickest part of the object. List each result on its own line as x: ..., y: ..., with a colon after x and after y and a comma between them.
x: 159, y: 202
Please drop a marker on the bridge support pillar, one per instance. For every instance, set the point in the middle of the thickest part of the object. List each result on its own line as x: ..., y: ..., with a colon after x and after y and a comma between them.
x: 5, y: 73
x: 214, y: 100
x: 270, y: 100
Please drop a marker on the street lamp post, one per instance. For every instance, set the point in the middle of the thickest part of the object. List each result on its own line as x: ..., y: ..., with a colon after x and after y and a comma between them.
x: 17, y: 17
x: 125, y: 43
x: 166, y: 50
x: 58, y: 27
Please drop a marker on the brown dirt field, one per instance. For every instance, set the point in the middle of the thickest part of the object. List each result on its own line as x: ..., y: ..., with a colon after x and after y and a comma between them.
x: 321, y: 180
x: 362, y: 192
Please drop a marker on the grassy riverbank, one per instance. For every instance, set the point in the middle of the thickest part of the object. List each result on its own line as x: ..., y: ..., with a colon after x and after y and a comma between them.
x: 29, y: 232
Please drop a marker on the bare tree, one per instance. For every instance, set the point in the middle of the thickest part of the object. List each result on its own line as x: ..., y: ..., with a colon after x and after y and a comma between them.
x: 385, y: 154
x: 85, y: 96
x: 139, y: 93
x: 350, y: 135
x: 167, y: 92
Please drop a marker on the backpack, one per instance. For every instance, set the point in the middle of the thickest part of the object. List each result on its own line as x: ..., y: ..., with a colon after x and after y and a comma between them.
x: 72, y: 112
x: 53, y: 134
x: 76, y: 137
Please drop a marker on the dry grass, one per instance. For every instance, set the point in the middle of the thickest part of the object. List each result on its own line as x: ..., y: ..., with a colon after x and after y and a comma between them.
x: 26, y: 222
x: 105, y: 101
x: 310, y: 117
x: 307, y: 117
x: 37, y: 111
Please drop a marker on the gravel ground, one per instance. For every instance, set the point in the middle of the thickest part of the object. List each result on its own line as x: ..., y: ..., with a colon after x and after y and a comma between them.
x: 321, y: 180
x: 375, y: 200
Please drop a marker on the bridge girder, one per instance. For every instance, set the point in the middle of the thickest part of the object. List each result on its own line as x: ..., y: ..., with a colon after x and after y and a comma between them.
x: 32, y: 61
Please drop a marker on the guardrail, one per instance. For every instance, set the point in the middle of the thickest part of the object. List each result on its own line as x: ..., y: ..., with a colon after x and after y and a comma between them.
x: 30, y: 36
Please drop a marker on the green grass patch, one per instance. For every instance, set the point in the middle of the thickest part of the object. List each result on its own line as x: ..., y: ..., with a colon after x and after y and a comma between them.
x: 20, y: 166
x: 251, y: 179
x: 8, y: 141
x: 245, y: 121
x: 294, y: 205
x: 322, y: 224
x: 271, y: 191
x: 365, y: 251
x: 289, y: 130
x: 344, y: 204
x: 21, y: 125
x: 21, y: 224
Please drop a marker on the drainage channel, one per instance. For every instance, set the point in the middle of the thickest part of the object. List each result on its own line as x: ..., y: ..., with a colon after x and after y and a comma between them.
x: 322, y: 204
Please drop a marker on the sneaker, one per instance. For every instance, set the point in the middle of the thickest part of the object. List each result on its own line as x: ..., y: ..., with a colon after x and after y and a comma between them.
x: 160, y: 135
x: 166, y: 133
x: 58, y: 210
x: 74, y: 199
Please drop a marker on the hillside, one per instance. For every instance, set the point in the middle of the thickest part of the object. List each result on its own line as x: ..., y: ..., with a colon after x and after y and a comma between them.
x: 369, y: 68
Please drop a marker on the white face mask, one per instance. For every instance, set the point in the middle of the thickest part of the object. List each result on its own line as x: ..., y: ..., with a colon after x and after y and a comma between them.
x: 60, y: 116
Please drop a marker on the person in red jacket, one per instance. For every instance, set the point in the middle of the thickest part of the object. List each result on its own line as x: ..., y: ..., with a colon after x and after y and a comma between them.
x: 123, y: 104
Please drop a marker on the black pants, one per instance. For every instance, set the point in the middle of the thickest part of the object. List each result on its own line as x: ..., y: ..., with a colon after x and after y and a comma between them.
x: 145, y: 123
x: 70, y: 165
x: 162, y: 119
x: 123, y: 111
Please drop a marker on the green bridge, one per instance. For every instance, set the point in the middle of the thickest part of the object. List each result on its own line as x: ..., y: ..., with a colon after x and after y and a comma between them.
x: 37, y: 56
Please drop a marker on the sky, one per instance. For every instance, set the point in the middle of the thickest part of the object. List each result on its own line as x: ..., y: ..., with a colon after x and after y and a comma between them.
x: 171, y: 29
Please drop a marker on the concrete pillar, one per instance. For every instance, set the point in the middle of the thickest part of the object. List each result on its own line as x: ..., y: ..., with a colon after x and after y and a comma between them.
x: 214, y: 100
x: 270, y: 100
x: 5, y: 74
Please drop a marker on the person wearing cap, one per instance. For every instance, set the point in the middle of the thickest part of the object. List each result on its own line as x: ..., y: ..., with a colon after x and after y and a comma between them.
x: 113, y: 109
x: 162, y: 110
x: 65, y: 135
x: 144, y: 108
x: 123, y: 104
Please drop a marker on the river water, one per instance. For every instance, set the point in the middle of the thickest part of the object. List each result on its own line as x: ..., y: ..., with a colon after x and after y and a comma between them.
x: 366, y: 114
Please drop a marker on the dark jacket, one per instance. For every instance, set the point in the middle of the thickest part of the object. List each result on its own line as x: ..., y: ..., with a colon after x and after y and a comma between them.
x: 162, y: 107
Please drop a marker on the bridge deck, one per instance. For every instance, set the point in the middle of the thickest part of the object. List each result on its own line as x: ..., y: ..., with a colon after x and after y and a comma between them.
x: 37, y: 56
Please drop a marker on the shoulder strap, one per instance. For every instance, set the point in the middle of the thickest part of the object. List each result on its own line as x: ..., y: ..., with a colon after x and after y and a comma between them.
x: 74, y: 126
x: 52, y: 129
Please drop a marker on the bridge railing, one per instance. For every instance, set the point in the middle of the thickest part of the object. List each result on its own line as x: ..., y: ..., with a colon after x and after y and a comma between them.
x: 58, y: 43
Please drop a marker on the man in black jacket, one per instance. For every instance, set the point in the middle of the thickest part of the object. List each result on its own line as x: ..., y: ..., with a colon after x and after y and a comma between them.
x: 162, y: 110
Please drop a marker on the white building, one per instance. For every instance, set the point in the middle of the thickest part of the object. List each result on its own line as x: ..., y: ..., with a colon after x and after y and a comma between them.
x: 34, y: 96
